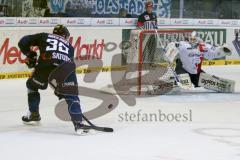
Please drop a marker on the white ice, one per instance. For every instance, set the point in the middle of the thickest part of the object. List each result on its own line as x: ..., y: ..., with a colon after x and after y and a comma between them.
x: 213, y: 133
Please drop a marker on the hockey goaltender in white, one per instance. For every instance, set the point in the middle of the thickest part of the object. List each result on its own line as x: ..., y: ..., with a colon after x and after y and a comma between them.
x: 189, y: 55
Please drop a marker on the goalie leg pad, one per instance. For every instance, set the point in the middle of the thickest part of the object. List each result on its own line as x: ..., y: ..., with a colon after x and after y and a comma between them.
x: 185, y: 79
x: 216, y: 83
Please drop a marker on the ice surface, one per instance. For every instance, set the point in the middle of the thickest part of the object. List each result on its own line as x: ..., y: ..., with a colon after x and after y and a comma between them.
x: 213, y: 133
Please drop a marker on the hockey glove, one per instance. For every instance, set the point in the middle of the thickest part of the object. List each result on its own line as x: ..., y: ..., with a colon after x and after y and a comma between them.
x: 224, y: 50
x: 227, y: 49
x: 31, y: 59
x: 171, y: 52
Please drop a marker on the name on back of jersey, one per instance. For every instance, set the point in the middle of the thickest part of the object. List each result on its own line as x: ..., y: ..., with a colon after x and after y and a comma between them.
x: 60, y: 56
x: 58, y: 38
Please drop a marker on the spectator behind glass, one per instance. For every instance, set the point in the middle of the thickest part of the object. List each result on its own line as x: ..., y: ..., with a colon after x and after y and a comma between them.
x: 123, y: 13
x: 47, y: 13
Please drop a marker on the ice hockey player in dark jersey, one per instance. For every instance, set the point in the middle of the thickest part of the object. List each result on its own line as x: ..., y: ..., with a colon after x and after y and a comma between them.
x: 148, y: 19
x: 55, y: 50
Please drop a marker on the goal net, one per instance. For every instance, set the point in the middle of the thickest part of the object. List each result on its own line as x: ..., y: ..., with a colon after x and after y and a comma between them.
x: 147, y: 71
x: 147, y: 53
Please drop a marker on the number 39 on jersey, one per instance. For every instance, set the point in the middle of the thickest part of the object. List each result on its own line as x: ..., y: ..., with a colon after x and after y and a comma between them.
x: 58, y: 49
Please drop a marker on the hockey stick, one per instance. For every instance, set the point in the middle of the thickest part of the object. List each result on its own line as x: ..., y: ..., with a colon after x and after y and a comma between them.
x: 103, y: 129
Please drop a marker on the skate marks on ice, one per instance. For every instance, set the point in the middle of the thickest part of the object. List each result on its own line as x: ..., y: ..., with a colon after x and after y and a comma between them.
x: 42, y: 129
x: 219, y: 132
x: 228, y: 136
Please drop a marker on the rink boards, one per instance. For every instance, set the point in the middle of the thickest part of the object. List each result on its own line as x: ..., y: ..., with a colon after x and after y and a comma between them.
x: 103, y: 44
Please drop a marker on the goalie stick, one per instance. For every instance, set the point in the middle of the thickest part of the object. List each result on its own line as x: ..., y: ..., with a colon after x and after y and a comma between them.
x: 103, y: 129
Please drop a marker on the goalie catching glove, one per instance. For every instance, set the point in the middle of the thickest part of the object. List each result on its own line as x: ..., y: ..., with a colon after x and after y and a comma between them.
x: 224, y: 50
x: 31, y: 59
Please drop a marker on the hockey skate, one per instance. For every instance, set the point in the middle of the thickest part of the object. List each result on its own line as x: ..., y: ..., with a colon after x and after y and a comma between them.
x: 82, y: 129
x: 32, y: 118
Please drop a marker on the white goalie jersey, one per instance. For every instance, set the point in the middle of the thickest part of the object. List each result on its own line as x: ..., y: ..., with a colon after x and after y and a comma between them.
x: 192, y: 56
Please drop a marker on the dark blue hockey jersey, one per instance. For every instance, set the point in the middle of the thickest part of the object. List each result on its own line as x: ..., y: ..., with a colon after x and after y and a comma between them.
x: 54, y: 49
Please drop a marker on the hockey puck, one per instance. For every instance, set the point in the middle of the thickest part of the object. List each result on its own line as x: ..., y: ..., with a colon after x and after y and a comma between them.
x: 110, y: 106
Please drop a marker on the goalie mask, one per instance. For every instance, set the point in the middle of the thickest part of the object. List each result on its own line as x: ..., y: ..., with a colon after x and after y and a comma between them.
x: 193, y: 39
x: 61, y: 30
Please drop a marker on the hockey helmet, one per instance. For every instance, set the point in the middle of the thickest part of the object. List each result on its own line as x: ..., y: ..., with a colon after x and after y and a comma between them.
x: 62, y: 31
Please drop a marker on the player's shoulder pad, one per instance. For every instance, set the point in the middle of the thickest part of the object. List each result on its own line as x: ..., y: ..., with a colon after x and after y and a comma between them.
x: 39, y: 35
x: 44, y: 33
x: 183, y: 43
